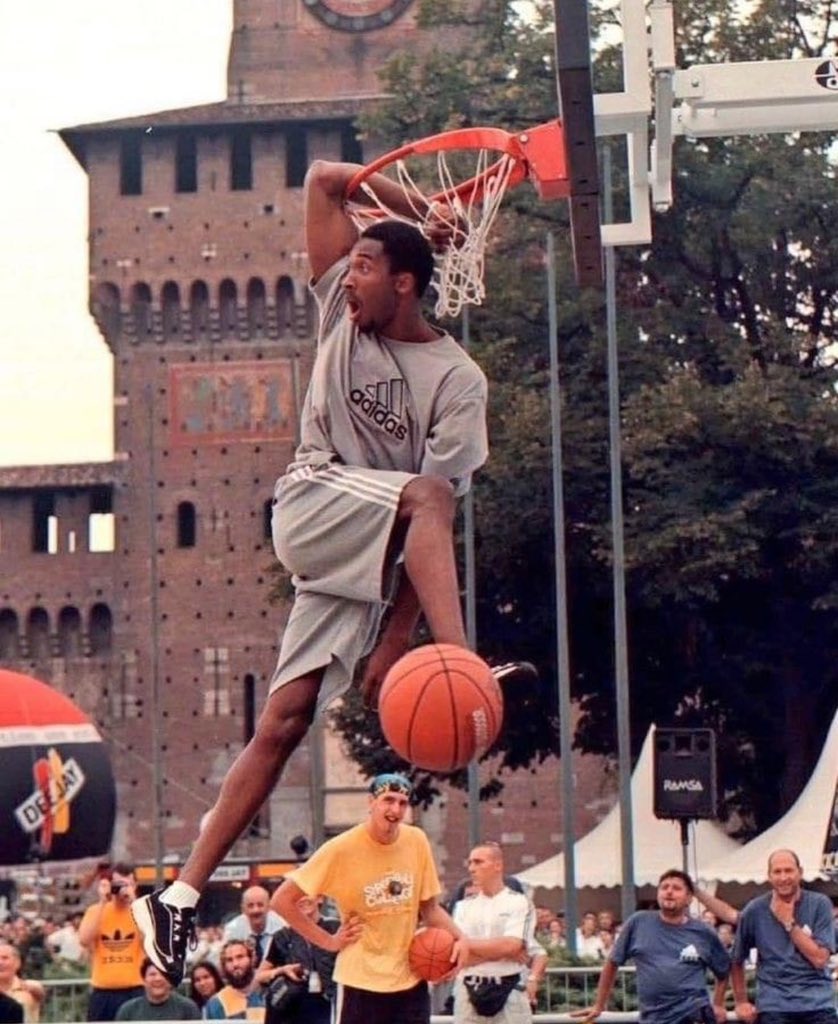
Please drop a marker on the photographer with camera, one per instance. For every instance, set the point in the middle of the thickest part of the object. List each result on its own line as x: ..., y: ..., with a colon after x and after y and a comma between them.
x: 297, y: 975
x: 114, y: 945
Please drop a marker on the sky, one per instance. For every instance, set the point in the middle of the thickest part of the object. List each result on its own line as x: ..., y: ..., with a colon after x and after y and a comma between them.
x: 63, y: 63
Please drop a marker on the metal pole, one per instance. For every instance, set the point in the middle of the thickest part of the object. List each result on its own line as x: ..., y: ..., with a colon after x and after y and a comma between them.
x: 471, y: 626
x: 156, y: 709
x: 562, y: 643
x: 619, y: 578
x: 684, y: 824
x: 317, y: 785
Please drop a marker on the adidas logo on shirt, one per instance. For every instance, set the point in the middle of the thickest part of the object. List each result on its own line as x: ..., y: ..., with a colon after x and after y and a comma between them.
x: 383, y: 404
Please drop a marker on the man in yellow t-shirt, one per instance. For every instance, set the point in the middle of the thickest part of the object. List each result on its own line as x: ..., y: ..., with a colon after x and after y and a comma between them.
x: 381, y: 875
x: 115, y: 945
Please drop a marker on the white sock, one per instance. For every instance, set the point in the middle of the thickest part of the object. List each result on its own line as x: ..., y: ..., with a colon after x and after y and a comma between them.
x: 180, y: 894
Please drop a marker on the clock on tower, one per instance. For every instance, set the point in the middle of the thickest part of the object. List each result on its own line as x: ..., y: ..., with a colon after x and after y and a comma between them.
x: 357, y: 15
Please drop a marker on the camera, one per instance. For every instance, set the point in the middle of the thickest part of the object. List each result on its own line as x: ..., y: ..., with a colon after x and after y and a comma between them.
x: 116, y: 888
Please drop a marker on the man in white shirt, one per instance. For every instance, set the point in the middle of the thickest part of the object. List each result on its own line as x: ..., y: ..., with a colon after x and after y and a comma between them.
x: 498, y: 924
x: 256, y: 924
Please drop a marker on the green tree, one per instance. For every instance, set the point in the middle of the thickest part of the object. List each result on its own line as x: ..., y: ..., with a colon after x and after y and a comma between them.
x: 727, y: 374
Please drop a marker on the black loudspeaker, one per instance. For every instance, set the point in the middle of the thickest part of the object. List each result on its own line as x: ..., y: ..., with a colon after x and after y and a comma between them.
x: 685, y: 773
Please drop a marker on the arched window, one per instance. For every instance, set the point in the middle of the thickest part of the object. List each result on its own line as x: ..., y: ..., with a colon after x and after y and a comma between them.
x: 285, y: 307
x: 107, y: 311
x: 170, y: 302
x: 37, y: 634
x: 255, y: 306
x: 69, y: 632
x: 141, y: 311
x: 227, y: 311
x: 199, y: 309
x: 9, y: 636
x: 186, y: 525
x: 100, y: 629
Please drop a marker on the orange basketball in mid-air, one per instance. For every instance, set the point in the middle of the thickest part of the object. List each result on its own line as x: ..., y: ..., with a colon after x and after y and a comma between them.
x: 440, y: 707
x: 429, y: 954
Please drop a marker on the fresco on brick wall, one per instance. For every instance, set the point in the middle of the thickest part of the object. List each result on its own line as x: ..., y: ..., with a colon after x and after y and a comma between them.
x: 252, y: 401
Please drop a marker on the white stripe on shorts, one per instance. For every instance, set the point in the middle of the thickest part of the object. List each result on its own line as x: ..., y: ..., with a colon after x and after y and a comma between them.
x: 367, y: 488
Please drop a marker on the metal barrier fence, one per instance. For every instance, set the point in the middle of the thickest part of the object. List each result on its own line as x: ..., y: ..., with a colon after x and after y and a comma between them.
x: 66, y: 999
x: 564, y: 989
x: 571, y: 988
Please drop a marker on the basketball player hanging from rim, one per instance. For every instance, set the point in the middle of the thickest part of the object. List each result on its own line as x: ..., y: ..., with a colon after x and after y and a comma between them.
x: 393, y: 426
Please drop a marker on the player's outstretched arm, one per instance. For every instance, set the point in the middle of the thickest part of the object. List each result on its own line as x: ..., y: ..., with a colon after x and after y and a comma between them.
x: 330, y: 233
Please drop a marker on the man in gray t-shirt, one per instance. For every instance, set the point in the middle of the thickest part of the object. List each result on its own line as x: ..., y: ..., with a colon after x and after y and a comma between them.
x: 672, y: 953
x: 393, y: 426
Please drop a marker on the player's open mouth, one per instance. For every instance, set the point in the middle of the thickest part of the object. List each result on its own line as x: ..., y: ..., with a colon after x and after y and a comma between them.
x: 353, y: 309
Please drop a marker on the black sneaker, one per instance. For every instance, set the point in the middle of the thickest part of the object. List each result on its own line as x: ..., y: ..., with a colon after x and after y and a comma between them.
x: 166, y: 933
x: 514, y: 673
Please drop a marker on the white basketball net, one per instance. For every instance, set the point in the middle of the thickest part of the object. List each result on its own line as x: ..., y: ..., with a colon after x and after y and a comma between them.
x: 458, y: 274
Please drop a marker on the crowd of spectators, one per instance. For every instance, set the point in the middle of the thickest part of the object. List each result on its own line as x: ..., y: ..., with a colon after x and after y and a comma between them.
x: 32, y: 946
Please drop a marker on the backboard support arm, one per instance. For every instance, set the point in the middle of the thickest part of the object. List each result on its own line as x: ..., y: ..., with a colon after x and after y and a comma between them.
x: 704, y: 100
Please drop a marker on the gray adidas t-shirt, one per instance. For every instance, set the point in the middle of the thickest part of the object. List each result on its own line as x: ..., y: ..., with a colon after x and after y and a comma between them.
x: 386, y: 404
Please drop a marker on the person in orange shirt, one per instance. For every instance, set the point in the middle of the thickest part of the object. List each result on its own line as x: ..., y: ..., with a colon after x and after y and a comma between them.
x: 114, y: 944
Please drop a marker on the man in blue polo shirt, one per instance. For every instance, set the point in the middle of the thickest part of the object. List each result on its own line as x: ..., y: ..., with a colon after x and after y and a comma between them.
x: 672, y: 953
x: 792, y: 931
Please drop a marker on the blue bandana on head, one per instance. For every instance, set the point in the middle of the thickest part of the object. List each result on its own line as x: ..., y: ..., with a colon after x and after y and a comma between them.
x: 390, y: 782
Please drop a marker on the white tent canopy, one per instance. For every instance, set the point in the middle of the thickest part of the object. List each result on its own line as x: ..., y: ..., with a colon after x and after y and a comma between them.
x: 657, y: 843
x: 803, y: 828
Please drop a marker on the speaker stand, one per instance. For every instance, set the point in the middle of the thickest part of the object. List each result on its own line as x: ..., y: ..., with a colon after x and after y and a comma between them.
x: 685, y: 843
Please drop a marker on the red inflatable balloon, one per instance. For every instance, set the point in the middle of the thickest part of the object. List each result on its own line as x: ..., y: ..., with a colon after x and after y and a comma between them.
x: 57, y: 793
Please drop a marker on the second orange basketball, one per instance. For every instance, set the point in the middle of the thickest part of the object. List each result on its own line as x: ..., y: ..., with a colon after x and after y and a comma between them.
x: 440, y: 707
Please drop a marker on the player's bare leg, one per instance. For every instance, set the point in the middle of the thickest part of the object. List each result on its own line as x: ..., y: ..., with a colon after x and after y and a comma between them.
x: 427, y: 506
x: 166, y: 919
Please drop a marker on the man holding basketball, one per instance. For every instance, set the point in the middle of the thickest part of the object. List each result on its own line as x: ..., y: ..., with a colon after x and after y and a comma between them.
x: 393, y: 426
x: 381, y: 875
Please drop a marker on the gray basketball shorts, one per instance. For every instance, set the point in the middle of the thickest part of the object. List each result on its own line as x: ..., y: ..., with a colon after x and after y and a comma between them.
x: 331, y: 528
